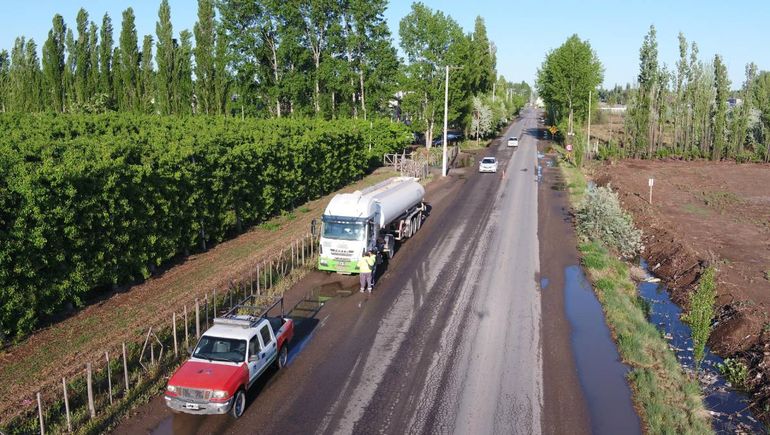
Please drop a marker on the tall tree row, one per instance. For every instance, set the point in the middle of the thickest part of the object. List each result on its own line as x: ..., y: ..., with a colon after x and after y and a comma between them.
x: 267, y: 58
x: 691, y: 111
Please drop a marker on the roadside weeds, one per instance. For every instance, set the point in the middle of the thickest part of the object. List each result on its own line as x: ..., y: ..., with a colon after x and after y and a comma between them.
x: 668, y: 401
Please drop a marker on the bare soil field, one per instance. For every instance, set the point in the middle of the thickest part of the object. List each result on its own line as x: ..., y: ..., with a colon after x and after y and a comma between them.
x: 707, y: 213
x: 39, y: 362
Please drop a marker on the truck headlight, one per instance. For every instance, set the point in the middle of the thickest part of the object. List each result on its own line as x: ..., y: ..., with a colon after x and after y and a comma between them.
x: 219, y: 394
x: 172, y: 389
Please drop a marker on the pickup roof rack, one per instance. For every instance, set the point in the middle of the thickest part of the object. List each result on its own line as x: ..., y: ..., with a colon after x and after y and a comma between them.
x: 247, y: 314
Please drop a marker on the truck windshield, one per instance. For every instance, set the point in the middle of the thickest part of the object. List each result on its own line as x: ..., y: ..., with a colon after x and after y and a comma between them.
x: 221, y: 349
x: 343, y: 230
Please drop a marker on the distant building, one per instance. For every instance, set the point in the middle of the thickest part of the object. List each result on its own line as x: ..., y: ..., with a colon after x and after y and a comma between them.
x: 734, y: 102
x: 613, y: 108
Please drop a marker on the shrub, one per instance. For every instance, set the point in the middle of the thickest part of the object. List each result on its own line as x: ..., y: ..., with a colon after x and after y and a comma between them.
x: 92, y: 201
x: 735, y: 372
x: 600, y: 217
x: 701, y: 312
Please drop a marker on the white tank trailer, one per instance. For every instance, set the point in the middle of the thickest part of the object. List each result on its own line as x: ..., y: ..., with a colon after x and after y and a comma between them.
x: 373, y: 218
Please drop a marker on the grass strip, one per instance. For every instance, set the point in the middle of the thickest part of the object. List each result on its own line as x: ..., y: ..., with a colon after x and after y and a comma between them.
x: 667, y: 399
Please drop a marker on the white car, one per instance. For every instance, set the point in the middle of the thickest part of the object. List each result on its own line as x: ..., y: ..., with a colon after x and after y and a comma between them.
x: 488, y: 164
x: 513, y: 141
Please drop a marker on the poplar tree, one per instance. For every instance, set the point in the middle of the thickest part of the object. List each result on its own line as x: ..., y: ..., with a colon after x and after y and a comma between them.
x: 93, y: 47
x: 316, y: 19
x: 53, y: 64
x: 722, y: 87
x: 205, y: 33
x: 182, y: 80
x: 33, y: 101
x: 165, y: 59
x: 105, y: 57
x: 70, y: 62
x: 373, y: 58
x: 482, y: 65
x: 679, y: 89
x: 742, y: 112
x: 148, y: 75
x: 5, y: 72
x: 129, y: 64
x: 222, y: 78
x: 647, y: 81
x: 82, y: 59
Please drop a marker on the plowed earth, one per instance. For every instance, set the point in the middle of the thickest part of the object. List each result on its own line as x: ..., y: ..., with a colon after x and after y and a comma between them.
x: 706, y: 213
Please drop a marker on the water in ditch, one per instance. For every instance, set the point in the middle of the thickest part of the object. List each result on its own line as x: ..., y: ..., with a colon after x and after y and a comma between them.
x: 728, y: 408
x: 602, y: 375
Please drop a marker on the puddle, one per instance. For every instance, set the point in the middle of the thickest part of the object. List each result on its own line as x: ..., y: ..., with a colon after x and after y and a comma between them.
x: 602, y: 375
x: 729, y: 408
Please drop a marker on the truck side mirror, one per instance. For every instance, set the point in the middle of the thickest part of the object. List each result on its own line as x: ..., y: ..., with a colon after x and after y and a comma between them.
x: 314, y: 227
x: 253, y: 358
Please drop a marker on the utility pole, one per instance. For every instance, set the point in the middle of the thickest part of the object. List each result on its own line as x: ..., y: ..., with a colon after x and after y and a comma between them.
x: 588, y: 138
x: 446, y: 115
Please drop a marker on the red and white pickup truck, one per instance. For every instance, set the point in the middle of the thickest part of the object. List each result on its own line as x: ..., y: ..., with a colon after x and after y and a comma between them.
x: 228, y: 359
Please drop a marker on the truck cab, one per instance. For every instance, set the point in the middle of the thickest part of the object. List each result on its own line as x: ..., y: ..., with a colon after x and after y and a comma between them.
x: 229, y: 357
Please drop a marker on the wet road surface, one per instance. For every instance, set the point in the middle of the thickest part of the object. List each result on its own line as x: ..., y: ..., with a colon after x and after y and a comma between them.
x: 449, y: 342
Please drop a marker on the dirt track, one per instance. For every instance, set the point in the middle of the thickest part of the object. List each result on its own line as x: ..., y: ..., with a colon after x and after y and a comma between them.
x: 709, y: 213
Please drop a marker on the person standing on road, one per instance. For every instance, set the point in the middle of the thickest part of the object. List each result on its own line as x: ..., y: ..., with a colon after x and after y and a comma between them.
x: 371, y: 260
x: 364, y: 272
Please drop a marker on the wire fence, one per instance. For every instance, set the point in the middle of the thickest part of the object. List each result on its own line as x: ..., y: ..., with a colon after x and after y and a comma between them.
x: 97, y: 396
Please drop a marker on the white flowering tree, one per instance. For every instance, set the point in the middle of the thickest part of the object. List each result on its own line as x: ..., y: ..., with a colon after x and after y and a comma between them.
x: 482, y: 124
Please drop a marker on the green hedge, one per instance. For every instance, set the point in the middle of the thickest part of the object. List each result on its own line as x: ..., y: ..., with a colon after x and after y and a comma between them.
x: 92, y: 201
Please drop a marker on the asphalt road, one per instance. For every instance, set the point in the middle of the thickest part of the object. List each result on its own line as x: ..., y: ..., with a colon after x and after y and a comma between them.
x: 450, y: 340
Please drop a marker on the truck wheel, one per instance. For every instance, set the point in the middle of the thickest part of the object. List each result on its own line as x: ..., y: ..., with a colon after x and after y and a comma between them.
x: 283, y: 357
x: 239, y: 404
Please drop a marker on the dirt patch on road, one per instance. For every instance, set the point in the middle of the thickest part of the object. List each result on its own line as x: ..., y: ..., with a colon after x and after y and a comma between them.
x: 709, y: 213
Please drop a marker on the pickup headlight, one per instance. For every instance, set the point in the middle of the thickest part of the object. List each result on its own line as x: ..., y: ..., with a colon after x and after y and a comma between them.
x: 172, y: 389
x: 219, y: 394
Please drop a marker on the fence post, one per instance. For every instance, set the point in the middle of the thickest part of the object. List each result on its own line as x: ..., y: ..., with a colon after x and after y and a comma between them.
x: 90, y: 385
x: 40, y: 414
x: 109, y: 375
x: 214, y: 297
x: 271, y: 274
x: 251, y: 282
x: 66, y: 404
x: 206, y: 303
x: 173, y: 321
x: 186, y: 327
x: 152, y: 354
x: 197, y: 320
x: 259, y: 291
x: 125, y: 366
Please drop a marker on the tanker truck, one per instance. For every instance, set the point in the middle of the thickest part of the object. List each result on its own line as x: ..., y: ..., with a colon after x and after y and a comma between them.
x: 373, y: 218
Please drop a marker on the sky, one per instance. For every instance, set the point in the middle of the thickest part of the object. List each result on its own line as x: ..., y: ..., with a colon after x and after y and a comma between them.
x: 523, y: 31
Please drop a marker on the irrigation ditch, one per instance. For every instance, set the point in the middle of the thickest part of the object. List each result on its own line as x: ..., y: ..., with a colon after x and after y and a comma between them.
x: 670, y: 393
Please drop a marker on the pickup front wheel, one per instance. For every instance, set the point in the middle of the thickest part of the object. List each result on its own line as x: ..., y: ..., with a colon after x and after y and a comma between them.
x: 283, y: 357
x: 239, y: 404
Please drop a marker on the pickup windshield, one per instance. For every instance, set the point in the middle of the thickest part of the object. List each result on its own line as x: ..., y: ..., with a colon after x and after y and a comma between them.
x: 343, y: 230
x: 221, y: 349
